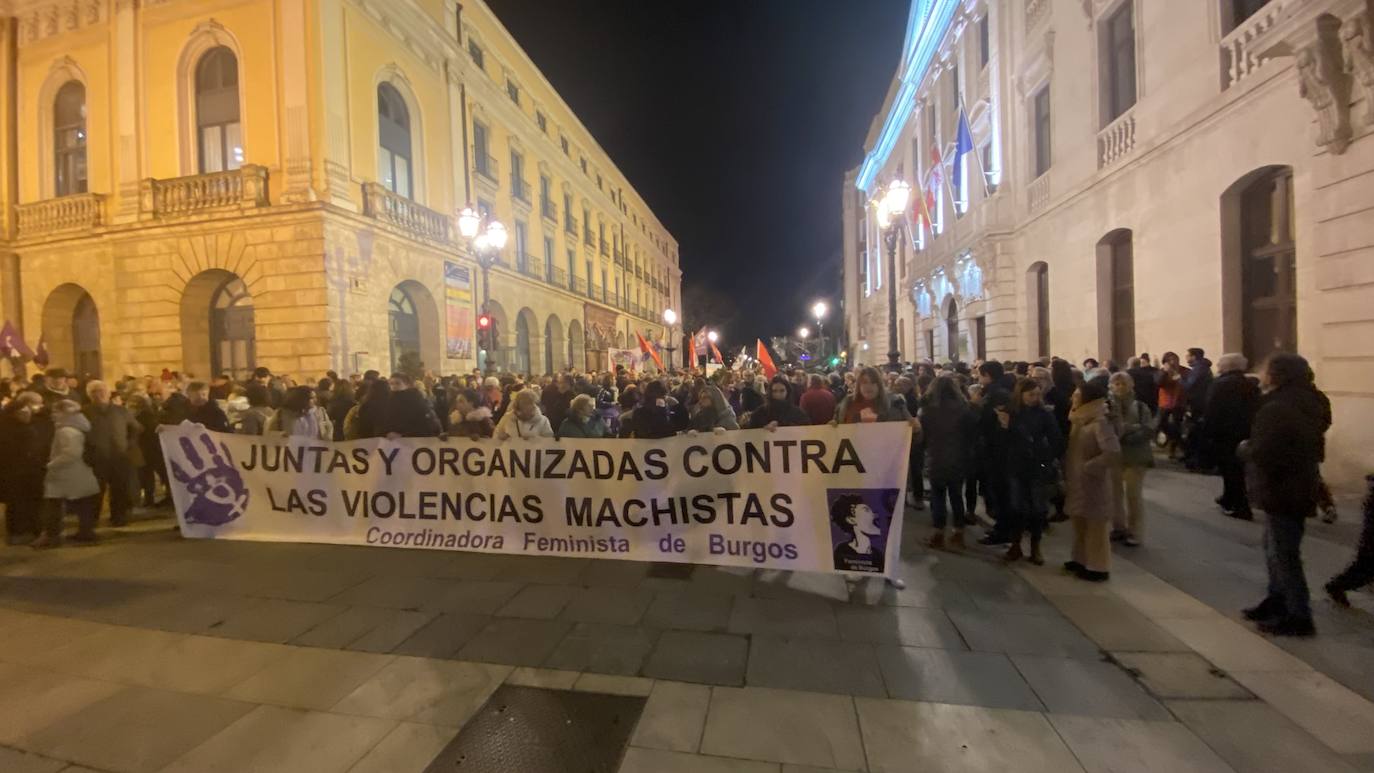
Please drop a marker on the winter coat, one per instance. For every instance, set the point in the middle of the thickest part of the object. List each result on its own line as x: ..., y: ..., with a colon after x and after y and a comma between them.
x: 113, y: 432
x: 572, y: 426
x: 477, y: 423
x: 1133, y: 425
x: 23, y: 453
x: 1231, y: 404
x: 68, y: 476
x: 210, y: 415
x: 313, y: 424
x: 1285, y: 450
x: 1093, y: 450
x: 1196, y: 382
x: 887, y: 408
x: 147, y: 439
x: 649, y: 422
x: 1034, y: 443
x: 1146, y: 390
x: 785, y: 412
x: 409, y: 414
x: 819, y: 405
x: 254, y: 421
x: 511, y: 426
x: 718, y: 415
x: 339, y: 406
x: 555, y: 406
x: 948, y: 431
x: 174, y: 410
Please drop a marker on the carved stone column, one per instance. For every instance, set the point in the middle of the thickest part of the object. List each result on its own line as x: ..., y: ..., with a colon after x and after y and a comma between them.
x: 1323, y: 81
x: 294, y: 77
x: 1357, y: 33
x: 126, y: 107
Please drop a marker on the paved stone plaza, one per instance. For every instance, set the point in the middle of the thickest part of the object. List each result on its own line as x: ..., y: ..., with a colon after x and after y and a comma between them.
x: 150, y: 653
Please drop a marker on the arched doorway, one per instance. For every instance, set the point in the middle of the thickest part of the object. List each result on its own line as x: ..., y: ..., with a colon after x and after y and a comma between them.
x: 403, y: 325
x: 553, y: 345
x: 1038, y: 289
x: 952, y: 343
x: 71, y: 330
x: 1260, y: 297
x: 218, y: 332
x: 576, y: 355
x: 524, y: 354
x: 1116, y: 295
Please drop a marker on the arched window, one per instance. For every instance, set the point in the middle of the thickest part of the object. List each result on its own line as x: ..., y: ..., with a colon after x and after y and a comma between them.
x: 231, y: 330
x: 393, y: 135
x: 69, y: 138
x: 86, y: 336
x: 219, y: 135
x: 404, y: 325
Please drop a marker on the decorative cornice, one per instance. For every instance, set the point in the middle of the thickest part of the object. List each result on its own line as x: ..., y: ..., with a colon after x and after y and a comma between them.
x: 45, y: 20
x: 1357, y: 35
x: 1322, y: 81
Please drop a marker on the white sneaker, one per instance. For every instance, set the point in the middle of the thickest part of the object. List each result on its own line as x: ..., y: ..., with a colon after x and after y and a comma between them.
x: 897, y: 583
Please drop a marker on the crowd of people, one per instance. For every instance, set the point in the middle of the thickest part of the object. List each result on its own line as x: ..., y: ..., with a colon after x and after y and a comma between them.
x: 1038, y: 442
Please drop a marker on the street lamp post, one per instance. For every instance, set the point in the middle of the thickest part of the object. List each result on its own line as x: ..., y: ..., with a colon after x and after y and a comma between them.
x: 891, y: 211
x: 670, y: 319
x: 818, y: 311
x: 486, y: 245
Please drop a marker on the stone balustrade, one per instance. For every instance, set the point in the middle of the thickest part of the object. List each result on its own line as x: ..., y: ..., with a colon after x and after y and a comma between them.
x: 558, y: 277
x: 1117, y: 140
x: 1239, y: 56
x: 1038, y: 194
x: 79, y: 211
x: 399, y: 211
x: 242, y: 188
x: 580, y: 285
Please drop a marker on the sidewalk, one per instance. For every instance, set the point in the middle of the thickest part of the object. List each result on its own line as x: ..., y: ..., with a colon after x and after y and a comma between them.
x: 151, y: 653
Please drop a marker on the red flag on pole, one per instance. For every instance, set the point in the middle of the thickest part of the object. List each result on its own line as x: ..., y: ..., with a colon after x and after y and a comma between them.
x: 766, y: 361
x: 716, y: 354
x: 649, y: 350
x: 691, y: 351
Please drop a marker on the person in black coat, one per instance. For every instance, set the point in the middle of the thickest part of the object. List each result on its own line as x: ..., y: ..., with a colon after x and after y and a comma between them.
x: 948, y: 431
x: 652, y: 418
x: 203, y: 410
x: 24, y: 442
x: 1231, y: 403
x: 1361, y: 570
x: 408, y: 412
x: 779, y: 411
x: 1196, y: 384
x: 1283, y: 476
x: 992, y: 451
x: 1145, y: 378
x: 1034, y: 445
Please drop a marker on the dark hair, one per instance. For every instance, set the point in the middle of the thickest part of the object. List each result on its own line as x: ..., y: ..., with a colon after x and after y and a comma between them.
x: 1169, y: 357
x: 1196, y: 352
x: 343, y: 389
x: 377, y: 391
x: 258, y: 396
x: 1090, y: 363
x: 841, y: 509
x: 946, y: 393
x: 325, y: 384
x: 992, y: 369
x: 371, y: 375
x: 297, y: 399
x: 197, y: 386
x: 629, y: 397
x: 654, y: 390
x: 1023, y: 385
x: 1287, y: 368
x: 404, y: 378
x: 261, y: 372
x: 786, y: 385
x: 1091, y: 390
x: 470, y: 395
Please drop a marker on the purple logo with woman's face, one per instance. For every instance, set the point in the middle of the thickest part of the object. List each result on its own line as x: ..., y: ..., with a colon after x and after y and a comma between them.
x: 217, y: 493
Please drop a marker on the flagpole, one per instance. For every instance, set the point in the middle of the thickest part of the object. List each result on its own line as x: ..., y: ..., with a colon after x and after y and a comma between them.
x: 977, y: 156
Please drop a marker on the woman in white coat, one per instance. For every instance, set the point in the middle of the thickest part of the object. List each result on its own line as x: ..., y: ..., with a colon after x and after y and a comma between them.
x: 69, y: 483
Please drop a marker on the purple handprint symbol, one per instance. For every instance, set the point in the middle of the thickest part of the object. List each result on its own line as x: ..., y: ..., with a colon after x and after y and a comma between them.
x: 218, y: 495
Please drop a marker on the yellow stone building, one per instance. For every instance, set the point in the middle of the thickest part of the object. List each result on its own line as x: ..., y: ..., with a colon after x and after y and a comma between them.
x: 213, y: 185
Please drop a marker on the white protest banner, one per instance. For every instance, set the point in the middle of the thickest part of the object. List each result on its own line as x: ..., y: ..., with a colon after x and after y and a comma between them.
x: 818, y: 499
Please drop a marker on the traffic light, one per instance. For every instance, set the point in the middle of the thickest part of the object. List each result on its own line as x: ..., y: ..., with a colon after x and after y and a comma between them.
x: 484, y: 330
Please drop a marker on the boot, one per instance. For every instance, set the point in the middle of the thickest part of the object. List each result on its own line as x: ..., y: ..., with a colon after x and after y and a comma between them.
x: 1265, y: 610
x: 956, y: 540
x: 936, y: 541
x: 1013, y: 553
x: 1036, y: 557
x: 1288, y: 626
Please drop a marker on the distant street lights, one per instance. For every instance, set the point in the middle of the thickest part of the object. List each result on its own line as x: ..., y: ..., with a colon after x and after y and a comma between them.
x: 486, y: 245
x: 670, y: 319
x: 803, y: 334
x: 891, y: 217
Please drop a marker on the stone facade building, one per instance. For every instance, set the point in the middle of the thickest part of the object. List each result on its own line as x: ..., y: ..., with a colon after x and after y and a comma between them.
x: 213, y: 186
x: 1145, y: 176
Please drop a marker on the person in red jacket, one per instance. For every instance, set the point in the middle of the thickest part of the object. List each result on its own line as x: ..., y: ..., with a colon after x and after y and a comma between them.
x: 818, y: 402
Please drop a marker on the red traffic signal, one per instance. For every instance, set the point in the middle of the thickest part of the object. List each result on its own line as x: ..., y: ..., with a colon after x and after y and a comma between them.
x: 484, y: 322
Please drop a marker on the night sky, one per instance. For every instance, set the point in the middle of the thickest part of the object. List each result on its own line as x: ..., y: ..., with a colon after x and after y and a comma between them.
x: 735, y: 120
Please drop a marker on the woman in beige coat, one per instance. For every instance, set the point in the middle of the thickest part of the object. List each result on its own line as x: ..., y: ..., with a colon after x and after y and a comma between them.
x: 1094, y: 450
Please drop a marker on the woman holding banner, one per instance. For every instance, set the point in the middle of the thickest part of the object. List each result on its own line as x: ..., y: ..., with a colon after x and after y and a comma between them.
x: 524, y: 420
x: 582, y: 420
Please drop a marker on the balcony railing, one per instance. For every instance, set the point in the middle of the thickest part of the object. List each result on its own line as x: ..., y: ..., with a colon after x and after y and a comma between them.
x: 580, y: 285
x: 531, y: 268
x: 486, y: 166
x: 594, y: 292
x: 548, y: 210
x: 558, y: 277
x: 520, y: 190
x: 1038, y: 195
x: 80, y: 211
x: 417, y: 220
x: 242, y: 188
x: 1239, y: 60
x: 1117, y: 140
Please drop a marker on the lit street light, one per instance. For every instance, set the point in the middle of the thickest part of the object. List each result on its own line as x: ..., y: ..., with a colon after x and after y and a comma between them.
x: 486, y: 245
x: 670, y: 319
x: 818, y: 312
x: 891, y: 217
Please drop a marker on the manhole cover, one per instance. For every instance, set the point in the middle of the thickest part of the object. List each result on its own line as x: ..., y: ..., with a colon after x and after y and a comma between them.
x: 532, y: 730
x: 666, y: 570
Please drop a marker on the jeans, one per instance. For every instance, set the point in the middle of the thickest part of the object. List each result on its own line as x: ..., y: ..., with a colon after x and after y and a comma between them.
x: 1283, y: 553
x: 971, y: 494
x: 940, y: 490
x: 1027, y: 508
x: 995, y: 496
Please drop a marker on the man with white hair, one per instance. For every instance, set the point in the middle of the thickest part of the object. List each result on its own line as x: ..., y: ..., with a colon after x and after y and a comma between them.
x: 113, y: 433
x: 1231, y: 403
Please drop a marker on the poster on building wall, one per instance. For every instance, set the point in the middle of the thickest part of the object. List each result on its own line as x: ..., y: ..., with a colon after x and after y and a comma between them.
x: 819, y: 499
x: 458, y: 315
